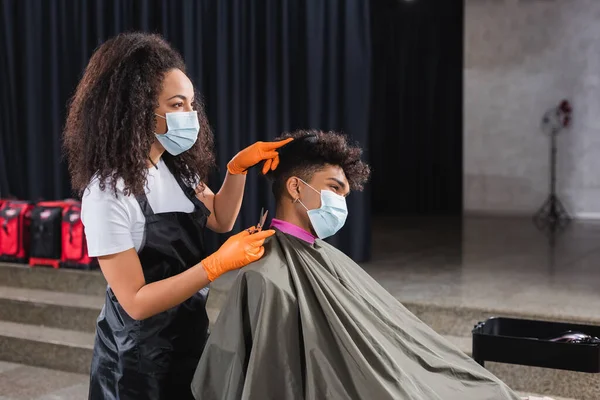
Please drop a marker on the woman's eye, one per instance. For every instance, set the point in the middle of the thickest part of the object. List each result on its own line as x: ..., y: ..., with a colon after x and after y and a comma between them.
x: 335, y: 188
x: 178, y: 105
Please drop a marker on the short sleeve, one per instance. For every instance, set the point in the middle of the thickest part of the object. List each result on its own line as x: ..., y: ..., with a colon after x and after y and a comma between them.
x: 106, y: 222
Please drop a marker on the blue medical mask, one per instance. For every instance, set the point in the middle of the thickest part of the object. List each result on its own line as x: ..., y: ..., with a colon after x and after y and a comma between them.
x: 328, y: 219
x: 182, y: 132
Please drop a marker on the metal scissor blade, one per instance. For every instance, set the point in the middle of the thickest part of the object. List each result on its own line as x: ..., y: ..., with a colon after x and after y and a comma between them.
x: 262, y: 220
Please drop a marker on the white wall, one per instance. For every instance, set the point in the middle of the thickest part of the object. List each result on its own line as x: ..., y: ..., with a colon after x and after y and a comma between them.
x: 521, y: 58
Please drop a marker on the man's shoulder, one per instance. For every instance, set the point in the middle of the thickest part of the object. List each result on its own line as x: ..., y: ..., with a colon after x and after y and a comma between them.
x: 272, y: 262
x: 271, y: 270
x: 331, y: 249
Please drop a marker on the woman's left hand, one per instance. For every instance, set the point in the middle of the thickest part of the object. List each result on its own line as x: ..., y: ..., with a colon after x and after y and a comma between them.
x: 252, y: 155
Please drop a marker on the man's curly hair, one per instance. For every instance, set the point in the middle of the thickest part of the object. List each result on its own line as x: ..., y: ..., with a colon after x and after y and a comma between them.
x: 110, y: 124
x: 310, y: 151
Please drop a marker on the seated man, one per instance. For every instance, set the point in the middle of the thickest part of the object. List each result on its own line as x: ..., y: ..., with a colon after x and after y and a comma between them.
x: 306, y: 322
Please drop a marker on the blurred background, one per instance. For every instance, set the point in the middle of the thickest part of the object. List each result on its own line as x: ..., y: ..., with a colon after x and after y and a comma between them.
x: 447, y: 98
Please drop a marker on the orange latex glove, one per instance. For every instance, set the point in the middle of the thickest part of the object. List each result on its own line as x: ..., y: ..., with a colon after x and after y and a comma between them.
x: 252, y: 155
x: 238, y: 251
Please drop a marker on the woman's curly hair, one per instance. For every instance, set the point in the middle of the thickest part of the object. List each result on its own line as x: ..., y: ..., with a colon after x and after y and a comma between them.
x: 110, y: 124
x: 310, y: 151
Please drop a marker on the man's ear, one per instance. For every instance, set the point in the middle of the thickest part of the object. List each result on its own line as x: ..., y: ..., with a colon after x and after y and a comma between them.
x: 292, y: 186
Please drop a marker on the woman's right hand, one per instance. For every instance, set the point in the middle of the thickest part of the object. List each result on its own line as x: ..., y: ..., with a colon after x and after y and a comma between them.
x: 238, y: 251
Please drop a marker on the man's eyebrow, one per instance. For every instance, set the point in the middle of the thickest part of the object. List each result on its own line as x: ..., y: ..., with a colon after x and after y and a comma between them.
x: 342, y: 184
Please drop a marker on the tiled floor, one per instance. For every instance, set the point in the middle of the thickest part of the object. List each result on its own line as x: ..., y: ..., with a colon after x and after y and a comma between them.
x: 19, y: 382
x: 500, y: 264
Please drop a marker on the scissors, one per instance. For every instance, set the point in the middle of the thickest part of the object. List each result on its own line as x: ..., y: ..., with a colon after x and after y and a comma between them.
x: 261, y: 221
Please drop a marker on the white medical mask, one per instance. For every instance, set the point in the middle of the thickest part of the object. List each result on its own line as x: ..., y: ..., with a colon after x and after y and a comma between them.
x: 182, y: 131
x: 328, y: 219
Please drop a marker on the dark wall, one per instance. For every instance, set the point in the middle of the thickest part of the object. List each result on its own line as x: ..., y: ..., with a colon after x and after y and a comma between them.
x: 264, y: 67
x: 416, y: 139
x: 388, y: 73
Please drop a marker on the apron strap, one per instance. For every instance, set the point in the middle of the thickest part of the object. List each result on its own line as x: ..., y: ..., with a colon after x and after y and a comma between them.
x: 191, y: 194
x: 145, y: 205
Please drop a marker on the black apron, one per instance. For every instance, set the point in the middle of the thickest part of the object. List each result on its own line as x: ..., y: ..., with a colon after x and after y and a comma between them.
x: 155, y: 358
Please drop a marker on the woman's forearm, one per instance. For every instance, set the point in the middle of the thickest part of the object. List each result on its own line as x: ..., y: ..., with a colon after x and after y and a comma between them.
x: 228, y: 201
x: 162, y: 295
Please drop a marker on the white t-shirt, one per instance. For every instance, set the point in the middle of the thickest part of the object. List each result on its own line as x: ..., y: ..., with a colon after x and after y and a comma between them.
x: 116, y: 223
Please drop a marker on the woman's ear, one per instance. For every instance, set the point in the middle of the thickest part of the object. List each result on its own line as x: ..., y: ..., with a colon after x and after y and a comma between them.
x: 292, y: 186
x: 160, y: 126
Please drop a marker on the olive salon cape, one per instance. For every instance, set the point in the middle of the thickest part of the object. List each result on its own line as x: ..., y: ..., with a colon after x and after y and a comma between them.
x: 306, y: 322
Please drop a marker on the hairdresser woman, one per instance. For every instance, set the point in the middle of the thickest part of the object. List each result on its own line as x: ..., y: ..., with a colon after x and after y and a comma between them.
x: 140, y: 149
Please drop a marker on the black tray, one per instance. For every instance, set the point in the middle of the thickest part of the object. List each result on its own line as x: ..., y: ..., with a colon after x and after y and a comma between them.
x: 521, y: 341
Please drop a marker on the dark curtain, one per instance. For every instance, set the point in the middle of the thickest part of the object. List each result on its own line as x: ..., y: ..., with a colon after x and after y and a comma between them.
x: 264, y: 67
x: 416, y: 110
